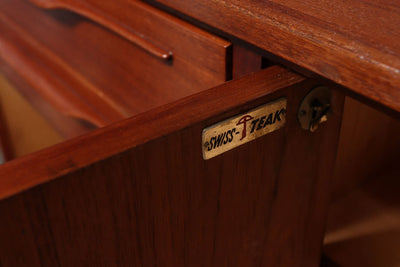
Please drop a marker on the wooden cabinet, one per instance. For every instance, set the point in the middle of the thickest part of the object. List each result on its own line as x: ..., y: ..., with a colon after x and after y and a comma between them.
x: 101, y: 73
x: 133, y: 85
x: 151, y: 199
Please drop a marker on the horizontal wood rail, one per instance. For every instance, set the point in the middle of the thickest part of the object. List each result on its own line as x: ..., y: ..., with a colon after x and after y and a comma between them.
x: 153, y: 124
x: 353, y: 43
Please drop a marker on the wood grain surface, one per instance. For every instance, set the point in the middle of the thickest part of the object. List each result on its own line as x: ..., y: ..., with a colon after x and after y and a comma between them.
x: 92, y: 73
x: 150, y: 199
x: 100, y: 144
x: 65, y: 125
x: 244, y: 61
x: 108, y: 20
x: 354, y: 43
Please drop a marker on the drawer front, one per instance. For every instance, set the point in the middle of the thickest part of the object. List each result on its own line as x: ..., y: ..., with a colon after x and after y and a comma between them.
x: 108, y: 72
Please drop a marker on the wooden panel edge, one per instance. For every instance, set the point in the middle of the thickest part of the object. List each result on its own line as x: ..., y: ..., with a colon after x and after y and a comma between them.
x: 347, y: 67
x: 45, y: 165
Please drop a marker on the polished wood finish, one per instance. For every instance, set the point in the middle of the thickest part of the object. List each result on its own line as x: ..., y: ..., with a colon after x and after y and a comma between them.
x: 98, y: 145
x: 106, y: 19
x: 50, y: 77
x: 90, y: 73
x: 66, y: 126
x: 150, y: 199
x: 137, y: 192
x: 244, y: 61
x: 354, y: 43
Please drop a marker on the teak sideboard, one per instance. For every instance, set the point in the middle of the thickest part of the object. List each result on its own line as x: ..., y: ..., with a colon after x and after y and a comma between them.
x: 135, y: 86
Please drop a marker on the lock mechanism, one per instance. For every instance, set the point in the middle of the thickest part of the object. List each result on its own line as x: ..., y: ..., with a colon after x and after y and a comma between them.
x: 315, y: 108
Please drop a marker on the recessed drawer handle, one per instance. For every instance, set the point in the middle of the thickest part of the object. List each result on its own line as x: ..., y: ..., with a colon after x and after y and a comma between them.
x: 51, y: 83
x: 112, y: 23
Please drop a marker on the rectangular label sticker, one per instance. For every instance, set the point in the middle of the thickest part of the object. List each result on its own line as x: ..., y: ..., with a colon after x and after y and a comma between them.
x: 243, y: 128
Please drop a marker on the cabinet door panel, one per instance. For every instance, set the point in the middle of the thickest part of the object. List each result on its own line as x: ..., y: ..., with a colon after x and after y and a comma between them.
x: 139, y: 192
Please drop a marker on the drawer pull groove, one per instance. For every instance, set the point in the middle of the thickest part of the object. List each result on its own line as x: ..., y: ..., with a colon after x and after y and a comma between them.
x: 107, y: 21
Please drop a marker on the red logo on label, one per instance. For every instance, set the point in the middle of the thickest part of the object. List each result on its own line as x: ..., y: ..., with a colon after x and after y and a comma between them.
x: 243, y: 121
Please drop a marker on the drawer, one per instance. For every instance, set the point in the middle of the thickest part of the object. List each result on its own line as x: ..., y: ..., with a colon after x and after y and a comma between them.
x: 102, y: 68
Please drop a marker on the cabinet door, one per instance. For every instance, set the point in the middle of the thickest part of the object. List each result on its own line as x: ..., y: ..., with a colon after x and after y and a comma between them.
x: 140, y: 193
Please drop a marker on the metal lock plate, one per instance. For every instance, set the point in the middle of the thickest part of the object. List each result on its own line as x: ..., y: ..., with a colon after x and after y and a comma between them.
x: 315, y: 108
